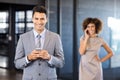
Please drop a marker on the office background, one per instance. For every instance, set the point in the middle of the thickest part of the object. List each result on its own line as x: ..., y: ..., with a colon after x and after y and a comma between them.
x: 65, y: 18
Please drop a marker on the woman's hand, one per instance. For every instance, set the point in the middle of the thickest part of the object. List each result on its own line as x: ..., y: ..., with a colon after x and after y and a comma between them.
x: 86, y: 33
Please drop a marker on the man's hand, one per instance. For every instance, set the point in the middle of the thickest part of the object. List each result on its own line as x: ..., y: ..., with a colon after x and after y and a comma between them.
x: 44, y: 55
x: 33, y: 55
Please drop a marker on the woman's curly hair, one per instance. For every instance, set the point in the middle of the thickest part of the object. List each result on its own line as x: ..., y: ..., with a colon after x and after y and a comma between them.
x: 96, y: 21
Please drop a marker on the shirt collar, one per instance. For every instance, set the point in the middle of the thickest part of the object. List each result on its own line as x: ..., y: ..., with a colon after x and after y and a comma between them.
x: 42, y: 33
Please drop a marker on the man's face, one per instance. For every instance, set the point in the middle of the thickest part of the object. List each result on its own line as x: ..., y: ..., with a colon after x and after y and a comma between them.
x: 39, y: 21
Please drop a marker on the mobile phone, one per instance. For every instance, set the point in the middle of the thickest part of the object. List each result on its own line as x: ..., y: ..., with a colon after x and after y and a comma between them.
x: 38, y: 49
x: 87, y: 32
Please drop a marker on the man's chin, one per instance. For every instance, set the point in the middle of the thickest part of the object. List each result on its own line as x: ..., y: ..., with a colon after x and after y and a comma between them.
x: 41, y: 29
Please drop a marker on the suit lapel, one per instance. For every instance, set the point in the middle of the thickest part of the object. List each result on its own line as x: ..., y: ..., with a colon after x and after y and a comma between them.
x: 32, y: 40
x: 47, y: 39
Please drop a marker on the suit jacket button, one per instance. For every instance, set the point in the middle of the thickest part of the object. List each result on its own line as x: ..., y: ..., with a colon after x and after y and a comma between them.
x: 39, y: 74
x: 39, y: 64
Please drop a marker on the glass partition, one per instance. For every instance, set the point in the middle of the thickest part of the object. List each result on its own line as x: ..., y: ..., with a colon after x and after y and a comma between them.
x: 109, y: 14
x: 4, y: 22
x: 3, y: 38
x: 29, y: 20
x: 23, y: 22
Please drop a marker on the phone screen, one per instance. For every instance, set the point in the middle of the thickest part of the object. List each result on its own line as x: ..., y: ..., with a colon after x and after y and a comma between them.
x: 38, y: 49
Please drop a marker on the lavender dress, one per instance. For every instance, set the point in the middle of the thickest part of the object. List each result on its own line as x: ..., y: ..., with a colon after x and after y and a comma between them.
x: 90, y: 68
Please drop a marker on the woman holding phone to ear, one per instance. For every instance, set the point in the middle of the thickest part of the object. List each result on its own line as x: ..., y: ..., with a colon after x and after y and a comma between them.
x: 90, y: 43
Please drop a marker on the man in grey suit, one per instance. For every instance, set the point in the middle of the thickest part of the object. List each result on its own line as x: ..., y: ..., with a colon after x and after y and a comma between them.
x: 39, y: 62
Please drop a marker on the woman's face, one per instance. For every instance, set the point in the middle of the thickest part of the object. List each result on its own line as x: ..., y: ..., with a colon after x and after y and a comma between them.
x: 91, y: 28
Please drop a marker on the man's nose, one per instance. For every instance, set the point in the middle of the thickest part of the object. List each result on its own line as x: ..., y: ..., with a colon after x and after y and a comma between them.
x: 39, y: 21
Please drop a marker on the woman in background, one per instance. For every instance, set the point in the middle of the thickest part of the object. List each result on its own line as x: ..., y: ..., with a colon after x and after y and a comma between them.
x: 90, y: 43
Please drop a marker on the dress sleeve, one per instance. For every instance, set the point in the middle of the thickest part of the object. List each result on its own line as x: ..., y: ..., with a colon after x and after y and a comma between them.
x: 103, y: 42
x: 81, y: 38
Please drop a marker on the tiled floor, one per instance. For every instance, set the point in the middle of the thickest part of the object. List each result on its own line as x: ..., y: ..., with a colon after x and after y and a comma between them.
x: 6, y: 74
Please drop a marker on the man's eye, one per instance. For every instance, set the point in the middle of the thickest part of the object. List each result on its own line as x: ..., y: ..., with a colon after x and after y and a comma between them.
x: 36, y: 18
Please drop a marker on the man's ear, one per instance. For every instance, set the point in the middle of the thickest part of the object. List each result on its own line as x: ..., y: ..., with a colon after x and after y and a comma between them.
x: 32, y: 19
x: 47, y: 19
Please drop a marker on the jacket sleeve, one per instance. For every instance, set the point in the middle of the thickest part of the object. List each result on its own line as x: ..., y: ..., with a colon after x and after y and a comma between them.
x: 58, y: 57
x: 20, y: 59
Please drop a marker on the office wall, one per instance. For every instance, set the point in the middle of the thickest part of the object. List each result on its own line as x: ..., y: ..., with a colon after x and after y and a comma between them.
x: 61, y: 21
x: 53, y: 15
x: 29, y: 2
x: 102, y: 9
x: 67, y: 34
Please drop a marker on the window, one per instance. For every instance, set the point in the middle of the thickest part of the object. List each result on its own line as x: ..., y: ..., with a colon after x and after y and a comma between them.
x: 3, y: 38
x: 4, y: 22
x: 29, y: 20
x: 113, y: 23
x: 23, y: 21
x: 20, y: 21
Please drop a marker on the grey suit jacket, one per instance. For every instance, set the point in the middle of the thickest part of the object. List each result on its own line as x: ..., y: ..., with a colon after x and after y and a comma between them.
x: 39, y: 69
